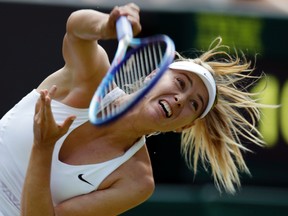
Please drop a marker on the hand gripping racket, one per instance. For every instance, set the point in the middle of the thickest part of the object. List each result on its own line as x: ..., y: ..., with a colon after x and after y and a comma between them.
x: 135, y: 59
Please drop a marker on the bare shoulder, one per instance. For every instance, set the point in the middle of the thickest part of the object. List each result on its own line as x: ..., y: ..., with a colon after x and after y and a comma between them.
x: 61, y: 79
x: 138, y: 174
x: 134, y: 176
x: 76, y: 84
x: 134, y: 179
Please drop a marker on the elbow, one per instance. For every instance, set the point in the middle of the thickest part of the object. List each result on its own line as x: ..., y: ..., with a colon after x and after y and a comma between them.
x: 85, y: 24
x: 147, y: 187
x: 73, y: 19
x: 77, y: 21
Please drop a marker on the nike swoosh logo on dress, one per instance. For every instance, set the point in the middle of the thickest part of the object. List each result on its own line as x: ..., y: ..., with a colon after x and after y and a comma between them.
x: 82, y: 179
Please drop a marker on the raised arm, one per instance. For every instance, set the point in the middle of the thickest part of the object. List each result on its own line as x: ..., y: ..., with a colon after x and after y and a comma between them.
x: 81, y: 50
x: 86, y: 62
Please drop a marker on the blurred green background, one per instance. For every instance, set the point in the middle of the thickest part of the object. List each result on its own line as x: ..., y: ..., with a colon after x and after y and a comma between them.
x: 30, y: 49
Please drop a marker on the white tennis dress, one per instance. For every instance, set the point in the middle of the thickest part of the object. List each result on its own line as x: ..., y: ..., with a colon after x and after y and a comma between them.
x: 67, y: 181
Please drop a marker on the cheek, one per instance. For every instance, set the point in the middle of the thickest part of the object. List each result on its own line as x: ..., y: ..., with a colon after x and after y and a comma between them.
x: 186, y: 117
x: 148, y: 107
x: 164, y: 82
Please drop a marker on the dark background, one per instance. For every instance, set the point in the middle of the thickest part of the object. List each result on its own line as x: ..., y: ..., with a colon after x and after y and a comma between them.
x: 30, y: 49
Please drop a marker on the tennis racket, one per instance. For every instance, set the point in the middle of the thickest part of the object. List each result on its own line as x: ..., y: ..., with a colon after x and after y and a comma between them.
x: 137, y: 66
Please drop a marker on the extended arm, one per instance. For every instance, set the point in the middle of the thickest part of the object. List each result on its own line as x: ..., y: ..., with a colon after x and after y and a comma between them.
x: 36, y: 197
x: 122, y: 195
x: 86, y: 62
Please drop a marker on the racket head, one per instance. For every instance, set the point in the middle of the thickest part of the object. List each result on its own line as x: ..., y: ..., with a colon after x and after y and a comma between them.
x: 145, y: 61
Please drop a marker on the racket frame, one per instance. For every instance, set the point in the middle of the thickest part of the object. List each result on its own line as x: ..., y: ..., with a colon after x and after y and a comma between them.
x: 126, y: 40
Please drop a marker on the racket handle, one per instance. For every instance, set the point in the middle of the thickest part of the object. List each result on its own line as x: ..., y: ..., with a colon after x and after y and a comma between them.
x: 123, y: 28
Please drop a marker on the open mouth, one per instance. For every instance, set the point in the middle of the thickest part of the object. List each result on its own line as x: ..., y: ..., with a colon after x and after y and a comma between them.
x: 166, y: 107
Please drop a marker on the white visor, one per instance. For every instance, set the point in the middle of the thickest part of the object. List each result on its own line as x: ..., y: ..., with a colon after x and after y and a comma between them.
x: 205, y: 76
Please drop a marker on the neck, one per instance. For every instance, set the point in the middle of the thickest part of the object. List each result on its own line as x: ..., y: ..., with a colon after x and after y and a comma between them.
x: 123, y: 132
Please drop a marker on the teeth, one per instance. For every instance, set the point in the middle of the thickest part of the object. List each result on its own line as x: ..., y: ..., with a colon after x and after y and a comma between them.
x: 166, y: 108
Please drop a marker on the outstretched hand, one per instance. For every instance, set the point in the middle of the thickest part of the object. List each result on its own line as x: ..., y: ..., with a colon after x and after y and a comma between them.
x: 46, y: 130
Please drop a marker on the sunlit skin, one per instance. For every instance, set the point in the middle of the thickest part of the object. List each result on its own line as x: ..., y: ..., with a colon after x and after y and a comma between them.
x: 179, y: 90
x: 177, y: 100
x: 174, y: 104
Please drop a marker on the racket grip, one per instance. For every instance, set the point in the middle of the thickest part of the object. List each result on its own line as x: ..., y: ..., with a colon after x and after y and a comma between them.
x: 123, y: 28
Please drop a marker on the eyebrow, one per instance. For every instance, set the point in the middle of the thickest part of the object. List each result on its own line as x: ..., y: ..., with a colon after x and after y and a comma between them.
x: 202, y: 101
x: 199, y: 96
x: 189, y: 79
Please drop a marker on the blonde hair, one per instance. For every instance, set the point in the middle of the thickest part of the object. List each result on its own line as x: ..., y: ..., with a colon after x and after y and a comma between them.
x: 217, y: 139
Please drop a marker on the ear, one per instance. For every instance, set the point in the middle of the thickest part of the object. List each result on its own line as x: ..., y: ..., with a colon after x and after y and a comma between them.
x: 179, y: 130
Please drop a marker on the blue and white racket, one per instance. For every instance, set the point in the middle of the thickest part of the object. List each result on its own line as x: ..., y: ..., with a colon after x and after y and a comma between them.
x: 134, y: 60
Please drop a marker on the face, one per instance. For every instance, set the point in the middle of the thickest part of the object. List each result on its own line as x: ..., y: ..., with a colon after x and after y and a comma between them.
x: 176, y: 101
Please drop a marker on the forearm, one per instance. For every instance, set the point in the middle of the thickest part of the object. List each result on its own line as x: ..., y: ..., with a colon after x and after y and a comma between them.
x: 88, y: 25
x: 36, y: 195
x: 94, y: 25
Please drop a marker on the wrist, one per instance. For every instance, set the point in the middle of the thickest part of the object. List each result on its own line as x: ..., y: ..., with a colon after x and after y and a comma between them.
x: 106, y: 28
x: 43, y: 147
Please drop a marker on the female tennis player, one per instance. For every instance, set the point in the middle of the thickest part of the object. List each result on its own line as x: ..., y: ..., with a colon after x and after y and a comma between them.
x: 106, y: 170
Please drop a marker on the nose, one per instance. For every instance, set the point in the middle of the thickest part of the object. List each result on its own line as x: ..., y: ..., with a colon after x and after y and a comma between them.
x: 179, y: 100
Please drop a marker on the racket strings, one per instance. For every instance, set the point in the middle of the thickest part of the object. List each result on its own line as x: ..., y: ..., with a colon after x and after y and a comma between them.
x: 131, y: 76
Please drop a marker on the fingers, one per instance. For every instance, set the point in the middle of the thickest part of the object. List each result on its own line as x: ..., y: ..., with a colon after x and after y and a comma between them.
x: 45, y: 98
x: 47, y: 103
x: 46, y: 130
x: 131, y: 11
x: 43, y: 110
x: 67, y: 123
x: 40, y: 102
x: 44, y: 102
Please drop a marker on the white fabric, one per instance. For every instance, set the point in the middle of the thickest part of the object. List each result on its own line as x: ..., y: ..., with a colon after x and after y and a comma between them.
x: 65, y: 178
x: 16, y: 139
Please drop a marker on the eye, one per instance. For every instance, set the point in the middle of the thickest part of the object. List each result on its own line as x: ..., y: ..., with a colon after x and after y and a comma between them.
x: 181, y: 83
x: 194, y: 105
